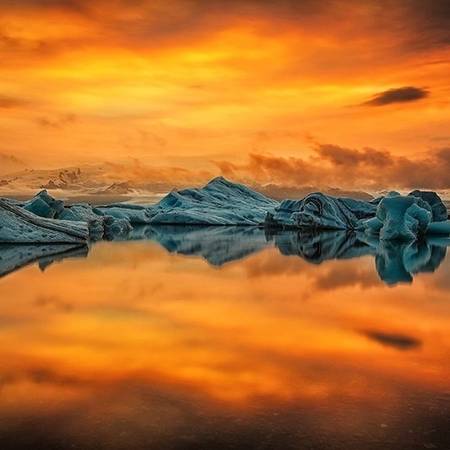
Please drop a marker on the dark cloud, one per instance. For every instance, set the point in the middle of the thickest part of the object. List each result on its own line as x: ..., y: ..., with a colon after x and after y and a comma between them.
x: 432, y: 22
x: 398, y: 95
x: 397, y: 341
x: 333, y: 165
x: 340, y: 156
x: 76, y: 5
x: 412, y: 24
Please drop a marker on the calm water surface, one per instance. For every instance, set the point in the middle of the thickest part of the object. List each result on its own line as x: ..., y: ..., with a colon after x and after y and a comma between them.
x: 225, y: 340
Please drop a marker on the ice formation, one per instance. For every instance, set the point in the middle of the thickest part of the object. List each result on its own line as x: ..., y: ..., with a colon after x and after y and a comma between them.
x: 221, y: 202
x: 104, y: 222
x: 408, y: 218
x: 320, y: 211
x: 17, y: 225
x: 393, y: 217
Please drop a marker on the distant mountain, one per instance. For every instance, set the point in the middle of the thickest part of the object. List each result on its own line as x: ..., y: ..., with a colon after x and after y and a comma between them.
x: 82, y: 179
x: 121, y: 188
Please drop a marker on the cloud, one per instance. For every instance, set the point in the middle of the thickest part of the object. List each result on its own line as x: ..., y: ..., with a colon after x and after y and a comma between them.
x: 5, y: 158
x: 398, y: 95
x: 150, y: 176
x: 333, y: 165
x: 415, y: 23
x: 58, y: 122
x: 341, y: 156
x: 397, y: 341
x: 9, y: 163
x: 7, y: 102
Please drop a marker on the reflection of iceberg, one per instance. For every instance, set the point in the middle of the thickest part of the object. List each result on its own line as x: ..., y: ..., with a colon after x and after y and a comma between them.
x: 15, y: 257
x: 398, y: 262
x: 395, y: 262
x: 320, y: 246
x: 218, y: 245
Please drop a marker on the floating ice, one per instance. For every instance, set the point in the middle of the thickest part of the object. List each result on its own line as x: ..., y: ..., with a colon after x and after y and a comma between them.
x: 17, y: 225
x: 220, y: 202
x: 322, y: 212
x: 408, y: 218
x: 105, y: 222
x: 134, y: 214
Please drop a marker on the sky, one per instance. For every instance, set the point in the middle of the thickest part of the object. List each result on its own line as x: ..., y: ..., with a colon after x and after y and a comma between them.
x: 305, y: 92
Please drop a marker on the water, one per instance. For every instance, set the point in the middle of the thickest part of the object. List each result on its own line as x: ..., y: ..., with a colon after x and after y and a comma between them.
x: 225, y: 339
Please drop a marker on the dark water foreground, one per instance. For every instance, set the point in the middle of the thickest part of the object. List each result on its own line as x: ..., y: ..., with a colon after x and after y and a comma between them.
x: 225, y: 338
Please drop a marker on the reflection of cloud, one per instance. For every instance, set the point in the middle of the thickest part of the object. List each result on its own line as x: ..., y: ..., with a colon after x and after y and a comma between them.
x: 237, y: 358
x: 53, y: 302
x: 398, y: 95
x: 398, y: 341
x: 344, y: 275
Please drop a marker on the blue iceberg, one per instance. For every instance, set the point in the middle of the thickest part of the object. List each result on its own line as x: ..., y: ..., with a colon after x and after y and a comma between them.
x: 223, y: 203
x: 408, y: 218
x: 220, y: 202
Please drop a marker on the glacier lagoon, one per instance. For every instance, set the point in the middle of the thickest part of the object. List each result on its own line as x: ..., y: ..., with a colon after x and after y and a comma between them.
x: 225, y: 337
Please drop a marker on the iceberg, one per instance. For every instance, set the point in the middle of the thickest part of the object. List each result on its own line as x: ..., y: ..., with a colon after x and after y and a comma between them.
x: 408, y: 218
x: 393, y: 217
x: 220, y: 202
x: 19, y: 226
x: 321, y: 212
x: 105, y: 222
x: 44, y: 205
x: 223, y: 203
x: 134, y: 214
x: 438, y: 208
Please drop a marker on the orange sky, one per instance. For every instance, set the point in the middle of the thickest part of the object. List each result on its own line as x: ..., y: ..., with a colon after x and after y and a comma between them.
x: 217, y: 85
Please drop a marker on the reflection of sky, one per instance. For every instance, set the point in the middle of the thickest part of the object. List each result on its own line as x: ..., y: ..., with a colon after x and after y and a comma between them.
x: 135, y: 340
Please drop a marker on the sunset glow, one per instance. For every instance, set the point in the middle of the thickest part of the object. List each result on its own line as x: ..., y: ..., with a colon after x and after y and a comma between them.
x: 213, y: 86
